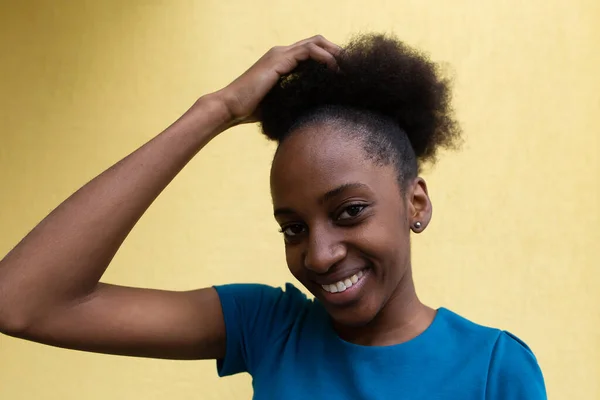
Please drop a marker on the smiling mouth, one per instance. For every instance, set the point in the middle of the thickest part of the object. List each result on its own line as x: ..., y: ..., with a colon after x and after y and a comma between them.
x: 344, y: 284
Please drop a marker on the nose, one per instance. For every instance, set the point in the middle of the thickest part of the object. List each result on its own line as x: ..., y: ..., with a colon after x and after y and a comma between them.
x: 324, y: 251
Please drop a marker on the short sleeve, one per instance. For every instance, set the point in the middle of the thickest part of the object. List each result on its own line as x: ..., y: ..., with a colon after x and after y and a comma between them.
x: 514, y: 372
x: 257, y: 318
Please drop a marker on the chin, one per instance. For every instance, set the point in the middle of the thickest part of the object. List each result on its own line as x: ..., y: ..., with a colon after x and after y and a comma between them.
x: 351, y: 317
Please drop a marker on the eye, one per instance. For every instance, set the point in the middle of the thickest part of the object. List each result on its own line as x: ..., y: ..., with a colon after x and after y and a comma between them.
x: 351, y: 212
x: 292, y: 230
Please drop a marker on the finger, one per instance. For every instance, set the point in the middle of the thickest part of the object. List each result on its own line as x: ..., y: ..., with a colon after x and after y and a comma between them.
x: 317, y: 53
x: 321, y: 42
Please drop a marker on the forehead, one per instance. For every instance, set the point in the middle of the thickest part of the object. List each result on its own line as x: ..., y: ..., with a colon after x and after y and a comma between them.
x: 316, y: 159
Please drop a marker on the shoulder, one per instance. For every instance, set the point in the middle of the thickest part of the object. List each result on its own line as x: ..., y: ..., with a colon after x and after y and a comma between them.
x: 514, y: 371
x: 512, y: 368
x: 257, y: 317
x: 464, y: 331
x: 261, y: 303
x: 254, y: 295
x: 259, y: 292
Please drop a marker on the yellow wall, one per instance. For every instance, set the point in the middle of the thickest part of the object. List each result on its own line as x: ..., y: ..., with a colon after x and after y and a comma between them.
x: 514, y: 238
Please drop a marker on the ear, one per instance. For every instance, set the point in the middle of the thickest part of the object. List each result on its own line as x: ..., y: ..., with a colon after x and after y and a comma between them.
x: 419, y: 205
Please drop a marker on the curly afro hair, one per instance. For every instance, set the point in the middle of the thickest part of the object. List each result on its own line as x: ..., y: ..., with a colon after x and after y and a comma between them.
x: 391, y: 96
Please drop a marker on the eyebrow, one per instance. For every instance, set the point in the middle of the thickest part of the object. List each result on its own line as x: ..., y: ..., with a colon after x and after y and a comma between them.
x: 326, y: 197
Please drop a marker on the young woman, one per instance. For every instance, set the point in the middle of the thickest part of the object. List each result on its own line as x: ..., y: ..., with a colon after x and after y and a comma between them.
x: 353, y: 127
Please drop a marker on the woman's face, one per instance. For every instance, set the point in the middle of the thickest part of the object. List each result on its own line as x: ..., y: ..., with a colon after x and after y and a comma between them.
x: 345, y: 221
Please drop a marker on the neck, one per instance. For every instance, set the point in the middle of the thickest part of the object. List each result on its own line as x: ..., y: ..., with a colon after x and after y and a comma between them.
x: 401, y: 319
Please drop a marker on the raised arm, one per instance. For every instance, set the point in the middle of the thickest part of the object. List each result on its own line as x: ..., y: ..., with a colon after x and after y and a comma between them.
x: 49, y: 283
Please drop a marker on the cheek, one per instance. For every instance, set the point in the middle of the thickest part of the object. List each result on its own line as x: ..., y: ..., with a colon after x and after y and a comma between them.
x: 293, y: 258
x: 388, y: 240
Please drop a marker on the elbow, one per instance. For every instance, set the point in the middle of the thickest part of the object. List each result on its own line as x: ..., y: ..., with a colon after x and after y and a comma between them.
x: 12, y: 324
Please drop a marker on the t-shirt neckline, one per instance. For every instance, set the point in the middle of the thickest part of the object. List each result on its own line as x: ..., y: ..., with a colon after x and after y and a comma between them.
x: 429, y: 332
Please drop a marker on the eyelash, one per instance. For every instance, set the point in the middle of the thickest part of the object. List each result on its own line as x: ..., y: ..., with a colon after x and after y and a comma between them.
x: 284, y: 228
x: 345, y: 209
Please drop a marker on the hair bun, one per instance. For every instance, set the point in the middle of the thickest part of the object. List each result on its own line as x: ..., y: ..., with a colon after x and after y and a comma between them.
x: 379, y: 74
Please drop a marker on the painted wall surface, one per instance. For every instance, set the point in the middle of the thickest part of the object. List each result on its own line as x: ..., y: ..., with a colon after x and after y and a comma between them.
x: 513, y: 242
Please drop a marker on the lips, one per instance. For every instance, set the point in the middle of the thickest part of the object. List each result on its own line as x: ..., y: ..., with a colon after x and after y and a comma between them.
x: 344, y: 283
x: 331, y: 295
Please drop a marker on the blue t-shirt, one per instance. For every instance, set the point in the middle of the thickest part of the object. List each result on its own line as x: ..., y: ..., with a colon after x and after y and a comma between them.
x: 288, y: 345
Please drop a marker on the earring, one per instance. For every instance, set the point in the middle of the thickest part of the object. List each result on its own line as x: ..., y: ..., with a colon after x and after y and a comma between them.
x: 417, y: 225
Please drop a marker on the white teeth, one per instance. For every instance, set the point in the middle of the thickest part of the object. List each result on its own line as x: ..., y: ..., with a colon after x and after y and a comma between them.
x: 343, y: 284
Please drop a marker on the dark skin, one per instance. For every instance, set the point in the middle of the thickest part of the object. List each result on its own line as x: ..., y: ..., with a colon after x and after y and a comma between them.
x: 49, y: 283
x: 341, y: 213
x: 50, y: 289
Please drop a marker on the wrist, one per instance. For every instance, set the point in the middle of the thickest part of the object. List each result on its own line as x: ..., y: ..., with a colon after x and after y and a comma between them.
x: 231, y: 107
x: 215, y: 105
x: 209, y: 116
